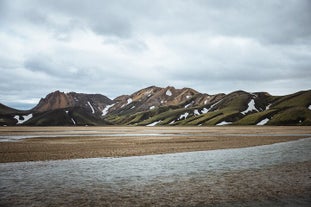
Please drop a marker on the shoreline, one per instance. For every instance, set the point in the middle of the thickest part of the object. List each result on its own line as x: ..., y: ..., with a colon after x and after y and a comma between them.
x: 95, y: 142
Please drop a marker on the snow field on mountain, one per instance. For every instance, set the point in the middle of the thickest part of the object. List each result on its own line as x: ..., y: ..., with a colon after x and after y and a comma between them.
x: 106, y: 109
x: 251, y: 107
x: 185, y: 115
x: 263, y: 122
x: 154, y: 123
x: 196, y: 112
x: 168, y: 93
x: 22, y: 120
x: 223, y: 123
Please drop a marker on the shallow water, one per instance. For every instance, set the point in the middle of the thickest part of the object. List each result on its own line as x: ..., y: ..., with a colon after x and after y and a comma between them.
x: 62, y: 183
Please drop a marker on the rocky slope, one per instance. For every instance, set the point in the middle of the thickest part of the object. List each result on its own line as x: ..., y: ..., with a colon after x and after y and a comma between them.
x: 165, y: 106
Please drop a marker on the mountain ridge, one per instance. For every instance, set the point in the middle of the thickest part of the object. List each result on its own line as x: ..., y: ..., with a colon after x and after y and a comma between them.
x: 156, y: 106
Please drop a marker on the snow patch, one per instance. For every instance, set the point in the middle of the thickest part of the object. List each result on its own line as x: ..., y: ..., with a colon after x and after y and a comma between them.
x: 187, y: 97
x: 172, y: 122
x: 129, y: 101
x: 309, y: 107
x: 154, y: 123
x: 204, y: 110
x: 205, y: 102
x: 93, y: 111
x: 268, y: 107
x: 215, y: 104
x: 168, y: 93
x: 132, y: 107
x: 152, y: 107
x: 251, y: 107
x: 188, y: 105
x: 105, y: 110
x: 263, y: 122
x: 223, y: 123
x: 162, y: 102
x: 196, y: 112
x: 67, y: 112
x: 185, y: 115
x: 24, y: 119
x: 73, y: 121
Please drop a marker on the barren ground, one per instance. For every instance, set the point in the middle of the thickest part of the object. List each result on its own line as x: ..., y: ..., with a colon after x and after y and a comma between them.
x: 54, y: 143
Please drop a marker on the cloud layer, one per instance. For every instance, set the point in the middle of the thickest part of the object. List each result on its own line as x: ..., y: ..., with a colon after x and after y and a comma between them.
x: 118, y: 47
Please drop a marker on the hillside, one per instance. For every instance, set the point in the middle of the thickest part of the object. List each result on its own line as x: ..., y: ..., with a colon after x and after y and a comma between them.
x: 164, y: 106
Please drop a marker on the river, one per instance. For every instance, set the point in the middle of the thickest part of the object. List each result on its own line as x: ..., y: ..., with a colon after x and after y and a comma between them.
x: 205, y: 178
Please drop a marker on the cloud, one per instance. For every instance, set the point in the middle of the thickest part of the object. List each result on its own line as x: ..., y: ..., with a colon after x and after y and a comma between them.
x: 118, y: 47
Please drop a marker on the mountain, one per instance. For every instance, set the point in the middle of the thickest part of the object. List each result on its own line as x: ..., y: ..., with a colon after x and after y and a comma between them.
x: 164, y: 106
x: 92, y: 103
x: 58, y: 109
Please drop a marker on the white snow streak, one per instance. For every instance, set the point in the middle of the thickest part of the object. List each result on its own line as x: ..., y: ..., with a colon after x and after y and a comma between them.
x: 251, y: 107
x: 172, y: 122
x: 188, y: 105
x: 187, y: 97
x: 309, y: 107
x: 93, y: 111
x: 73, y: 121
x: 106, y: 109
x: 268, y: 107
x: 185, y: 115
x: 25, y: 118
x: 152, y: 107
x: 168, y: 93
x: 212, y: 106
x: 154, y: 123
x: 263, y: 122
x: 223, y: 123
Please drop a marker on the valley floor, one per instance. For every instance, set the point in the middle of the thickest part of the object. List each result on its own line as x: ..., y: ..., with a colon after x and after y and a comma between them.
x: 19, y: 144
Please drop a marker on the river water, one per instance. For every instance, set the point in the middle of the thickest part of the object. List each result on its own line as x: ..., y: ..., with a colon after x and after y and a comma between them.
x: 148, y: 180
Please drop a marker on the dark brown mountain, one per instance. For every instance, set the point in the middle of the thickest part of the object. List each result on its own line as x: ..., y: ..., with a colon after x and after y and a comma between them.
x: 92, y: 103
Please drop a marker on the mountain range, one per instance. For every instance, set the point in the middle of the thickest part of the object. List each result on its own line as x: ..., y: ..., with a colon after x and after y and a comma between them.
x: 156, y: 106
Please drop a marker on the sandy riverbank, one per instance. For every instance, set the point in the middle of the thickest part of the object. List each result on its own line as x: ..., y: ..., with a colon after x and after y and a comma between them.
x: 54, y: 143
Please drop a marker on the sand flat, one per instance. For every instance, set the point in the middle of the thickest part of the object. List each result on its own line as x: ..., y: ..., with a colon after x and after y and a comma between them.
x: 56, y: 143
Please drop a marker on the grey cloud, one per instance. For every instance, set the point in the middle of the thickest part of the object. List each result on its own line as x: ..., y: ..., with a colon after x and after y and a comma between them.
x: 103, y: 17
x: 118, y: 47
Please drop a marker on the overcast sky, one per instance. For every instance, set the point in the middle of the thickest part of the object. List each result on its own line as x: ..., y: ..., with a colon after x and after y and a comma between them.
x: 117, y: 47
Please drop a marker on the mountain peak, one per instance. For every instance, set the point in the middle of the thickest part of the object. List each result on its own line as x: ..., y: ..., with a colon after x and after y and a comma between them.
x: 60, y: 100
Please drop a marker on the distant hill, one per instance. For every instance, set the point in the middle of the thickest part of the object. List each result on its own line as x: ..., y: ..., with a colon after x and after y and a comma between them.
x: 155, y: 106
